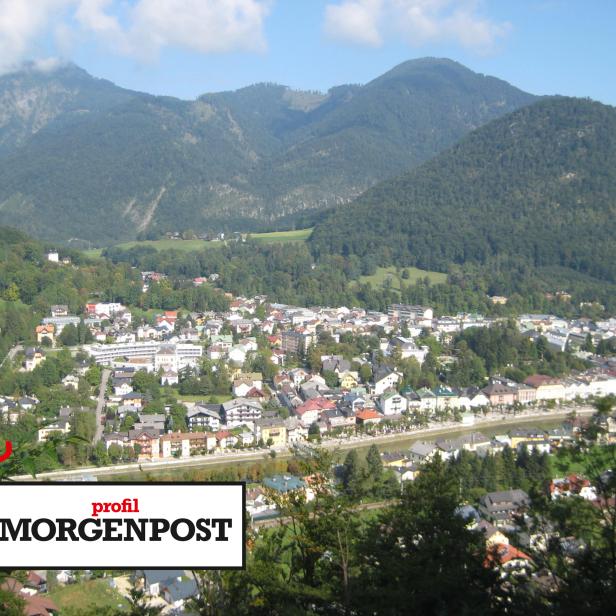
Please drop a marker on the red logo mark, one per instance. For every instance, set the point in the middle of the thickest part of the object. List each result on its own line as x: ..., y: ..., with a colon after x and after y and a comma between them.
x: 8, y: 451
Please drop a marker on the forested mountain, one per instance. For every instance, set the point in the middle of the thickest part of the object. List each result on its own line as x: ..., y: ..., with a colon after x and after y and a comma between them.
x: 538, y: 186
x: 82, y: 158
x: 33, y: 98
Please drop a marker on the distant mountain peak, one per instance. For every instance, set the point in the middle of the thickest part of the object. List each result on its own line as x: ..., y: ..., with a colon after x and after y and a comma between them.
x: 81, y: 157
x: 47, y: 67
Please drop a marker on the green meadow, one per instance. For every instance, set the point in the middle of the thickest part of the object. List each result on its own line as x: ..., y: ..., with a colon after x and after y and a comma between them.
x: 275, y: 237
x: 393, y: 276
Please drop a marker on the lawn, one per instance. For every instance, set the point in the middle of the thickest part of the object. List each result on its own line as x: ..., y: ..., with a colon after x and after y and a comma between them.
x: 182, y: 245
x: 277, y: 237
x: 85, y: 594
x: 300, y: 235
x: 383, y: 274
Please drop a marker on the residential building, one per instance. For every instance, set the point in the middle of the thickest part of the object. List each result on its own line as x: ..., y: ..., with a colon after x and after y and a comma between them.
x: 385, y: 379
x: 184, y: 444
x: 45, y: 332
x: 368, y: 416
x: 59, y: 426
x: 500, y: 395
x: 336, y: 418
x: 335, y: 363
x: 296, y: 342
x: 407, y: 349
x: 348, y: 380
x: 446, y: 398
x: 525, y: 394
x: 422, y: 451
x: 155, y: 579
x: 146, y: 442
x: 573, y: 485
x: 427, y: 399
x: 310, y: 411
x: 421, y: 315
x: 392, y: 403
x: 284, y: 483
x: 546, y: 387
x: 71, y: 381
x: 272, y: 431
x: 501, y: 508
x: 240, y: 411
x: 33, y: 358
x: 177, y: 592
x: 473, y: 397
x: 520, y: 436
x: 204, y: 416
x: 186, y: 354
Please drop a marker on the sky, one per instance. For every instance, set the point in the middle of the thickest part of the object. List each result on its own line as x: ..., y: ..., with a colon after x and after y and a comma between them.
x: 185, y: 48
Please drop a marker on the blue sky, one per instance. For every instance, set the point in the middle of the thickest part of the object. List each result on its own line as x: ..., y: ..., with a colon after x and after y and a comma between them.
x: 187, y: 47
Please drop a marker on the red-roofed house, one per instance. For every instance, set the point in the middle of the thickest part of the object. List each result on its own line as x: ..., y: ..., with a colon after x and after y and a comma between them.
x: 508, y: 559
x: 368, y: 416
x: 45, y: 331
x: 167, y: 319
x: 225, y: 439
x: 309, y: 411
x: 254, y: 393
x: 573, y: 485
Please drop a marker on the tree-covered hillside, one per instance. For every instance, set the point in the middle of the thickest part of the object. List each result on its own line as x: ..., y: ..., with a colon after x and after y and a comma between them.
x: 32, y: 98
x: 81, y: 158
x: 30, y: 284
x: 538, y: 186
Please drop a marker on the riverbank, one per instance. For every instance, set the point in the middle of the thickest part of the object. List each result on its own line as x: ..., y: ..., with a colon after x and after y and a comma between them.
x: 490, y: 426
x: 399, y: 440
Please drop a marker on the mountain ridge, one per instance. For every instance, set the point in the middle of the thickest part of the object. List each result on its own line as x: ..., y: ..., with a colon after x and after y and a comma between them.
x: 536, y: 185
x: 87, y: 159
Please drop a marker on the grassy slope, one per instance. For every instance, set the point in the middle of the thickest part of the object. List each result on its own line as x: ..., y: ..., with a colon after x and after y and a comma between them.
x: 92, y: 592
x: 389, y: 273
x: 300, y: 235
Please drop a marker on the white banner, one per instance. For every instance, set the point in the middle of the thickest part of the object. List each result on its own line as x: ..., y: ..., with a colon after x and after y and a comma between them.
x: 122, y: 525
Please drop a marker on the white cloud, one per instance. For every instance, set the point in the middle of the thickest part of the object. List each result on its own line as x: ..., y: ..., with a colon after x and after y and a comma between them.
x: 140, y: 29
x: 45, y: 65
x: 92, y: 15
x: 356, y: 21
x: 204, y: 26
x: 417, y: 22
x: 21, y: 23
x: 201, y: 25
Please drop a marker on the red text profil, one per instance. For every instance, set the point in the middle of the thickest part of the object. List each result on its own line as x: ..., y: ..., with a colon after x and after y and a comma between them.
x: 128, y: 505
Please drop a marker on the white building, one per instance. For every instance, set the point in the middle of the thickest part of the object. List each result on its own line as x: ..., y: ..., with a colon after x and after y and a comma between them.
x: 392, y: 403
x: 164, y: 356
x: 385, y: 380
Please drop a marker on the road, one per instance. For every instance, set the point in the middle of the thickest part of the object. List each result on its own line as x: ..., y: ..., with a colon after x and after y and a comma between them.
x: 11, y: 354
x: 235, y: 457
x: 100, y: 406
